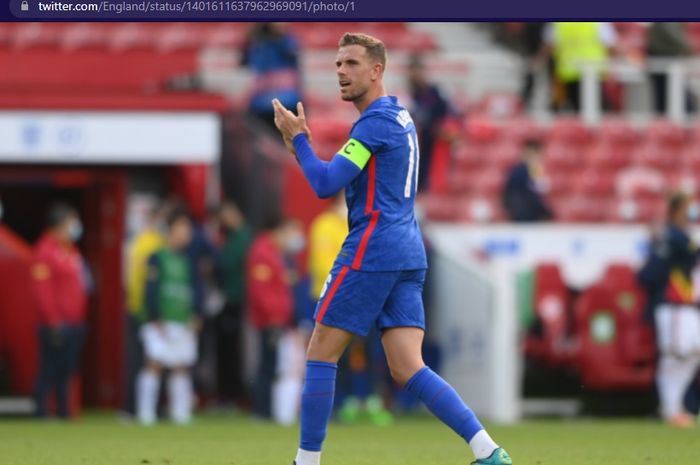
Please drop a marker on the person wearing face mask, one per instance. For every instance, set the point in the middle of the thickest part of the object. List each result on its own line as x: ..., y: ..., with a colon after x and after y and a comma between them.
x: 676, y: 314
x: 269, y: 300
x: 61, y: 289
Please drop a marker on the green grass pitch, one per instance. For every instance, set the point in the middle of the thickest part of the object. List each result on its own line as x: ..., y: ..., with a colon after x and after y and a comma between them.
x: 101, y: 440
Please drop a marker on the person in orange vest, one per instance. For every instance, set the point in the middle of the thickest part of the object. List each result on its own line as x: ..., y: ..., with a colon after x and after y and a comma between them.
x: 61, y: 287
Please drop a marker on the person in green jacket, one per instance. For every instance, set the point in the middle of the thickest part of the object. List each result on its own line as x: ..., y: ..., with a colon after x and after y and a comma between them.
x: 229, y: 323
x: 170, y: 335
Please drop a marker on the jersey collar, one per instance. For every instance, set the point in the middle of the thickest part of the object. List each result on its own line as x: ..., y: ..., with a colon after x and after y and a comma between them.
x: 381, y: 101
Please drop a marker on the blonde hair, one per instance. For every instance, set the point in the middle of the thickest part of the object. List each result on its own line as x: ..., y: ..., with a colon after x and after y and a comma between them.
x: 375, y: 47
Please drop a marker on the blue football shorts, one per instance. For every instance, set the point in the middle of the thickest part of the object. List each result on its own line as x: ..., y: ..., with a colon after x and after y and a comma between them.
x: 354, y: 300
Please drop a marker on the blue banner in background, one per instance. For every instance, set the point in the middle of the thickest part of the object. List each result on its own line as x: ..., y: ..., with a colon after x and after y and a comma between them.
x: 344, y: 10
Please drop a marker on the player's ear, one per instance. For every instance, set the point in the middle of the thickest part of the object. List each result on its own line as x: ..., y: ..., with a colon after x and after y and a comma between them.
x: 377, y: 71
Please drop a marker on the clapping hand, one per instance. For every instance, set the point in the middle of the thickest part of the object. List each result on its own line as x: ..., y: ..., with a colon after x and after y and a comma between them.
x: 289, y: 124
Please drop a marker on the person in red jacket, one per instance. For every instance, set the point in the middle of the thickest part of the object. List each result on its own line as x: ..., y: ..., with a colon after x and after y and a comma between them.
x: 60, y: 285
x: 270, y: 300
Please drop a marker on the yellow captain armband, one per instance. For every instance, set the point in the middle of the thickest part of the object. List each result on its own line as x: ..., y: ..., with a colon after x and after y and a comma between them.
x: 357, y: 153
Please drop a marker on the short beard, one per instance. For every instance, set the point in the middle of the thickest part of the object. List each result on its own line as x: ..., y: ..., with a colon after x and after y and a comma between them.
x: 354, y: 97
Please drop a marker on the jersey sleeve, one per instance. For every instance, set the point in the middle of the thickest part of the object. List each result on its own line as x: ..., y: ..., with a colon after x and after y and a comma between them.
x: 368, y: 137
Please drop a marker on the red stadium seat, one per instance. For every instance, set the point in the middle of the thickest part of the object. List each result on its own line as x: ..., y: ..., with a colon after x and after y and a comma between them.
x: 600, y: 360
x: 559, y: 156
x: 652, y: 209
x: 467, y: 157
x: 617, y: 131
x: 657, y: 156
x: 460, y: 182
x: 481, y: 130
x: 570, y: 131
x: 560, y: 183
x: 595, y: 183
x: 552, y: 344
x: 502, y: 155
x: 690, y: 156
x: 610, y: 157
x: 666, y: 133
x: 440, y: 207
x: 521, y: 129
x: 488, y: 183
x: 636, y: 337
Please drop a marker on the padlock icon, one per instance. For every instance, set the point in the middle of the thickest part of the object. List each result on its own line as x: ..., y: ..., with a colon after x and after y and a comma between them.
x: 24, y: 6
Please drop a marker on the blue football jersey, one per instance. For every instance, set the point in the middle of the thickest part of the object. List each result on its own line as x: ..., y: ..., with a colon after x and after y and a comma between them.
x: 383, y: 231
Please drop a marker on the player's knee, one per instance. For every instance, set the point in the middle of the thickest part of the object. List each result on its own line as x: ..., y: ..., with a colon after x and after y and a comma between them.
x: 319, y: 353
x: 327, y: 344
x: 401, y: 373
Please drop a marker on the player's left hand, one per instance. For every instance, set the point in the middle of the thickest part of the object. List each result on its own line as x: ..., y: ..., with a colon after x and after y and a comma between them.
x: 289, y: 124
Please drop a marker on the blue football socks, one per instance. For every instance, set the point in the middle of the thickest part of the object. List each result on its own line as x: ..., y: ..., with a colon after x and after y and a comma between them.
x: 444, y: 402
x: 316, y: 404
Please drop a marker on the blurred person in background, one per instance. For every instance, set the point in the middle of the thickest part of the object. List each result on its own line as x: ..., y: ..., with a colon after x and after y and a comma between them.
x: 170, y: 336
x: 571, y: 45
x: 61, y: 289
x: 428, y: 109
x: 530, y: 45
x: 286, y: 390
x: 229, y: 323
x: 270, y: 302
x: 667, y: 41
x: 144, y: 244
x: 677, y: 316
x: 203, y: 254
x: 272, y: 54
x: 326, y: 236
x: 523, y: 191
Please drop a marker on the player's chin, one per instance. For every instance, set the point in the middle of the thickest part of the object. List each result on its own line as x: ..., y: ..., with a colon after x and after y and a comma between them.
x: 347, y: 96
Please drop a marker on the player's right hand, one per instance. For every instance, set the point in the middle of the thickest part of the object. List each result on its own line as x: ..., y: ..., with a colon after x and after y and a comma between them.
x: 289, y: 124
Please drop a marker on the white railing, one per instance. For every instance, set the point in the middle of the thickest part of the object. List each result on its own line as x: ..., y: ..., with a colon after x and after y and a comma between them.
x: 679, y: 71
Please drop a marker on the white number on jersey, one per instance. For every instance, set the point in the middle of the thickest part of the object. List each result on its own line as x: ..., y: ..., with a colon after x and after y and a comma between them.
x: 413, y: 165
